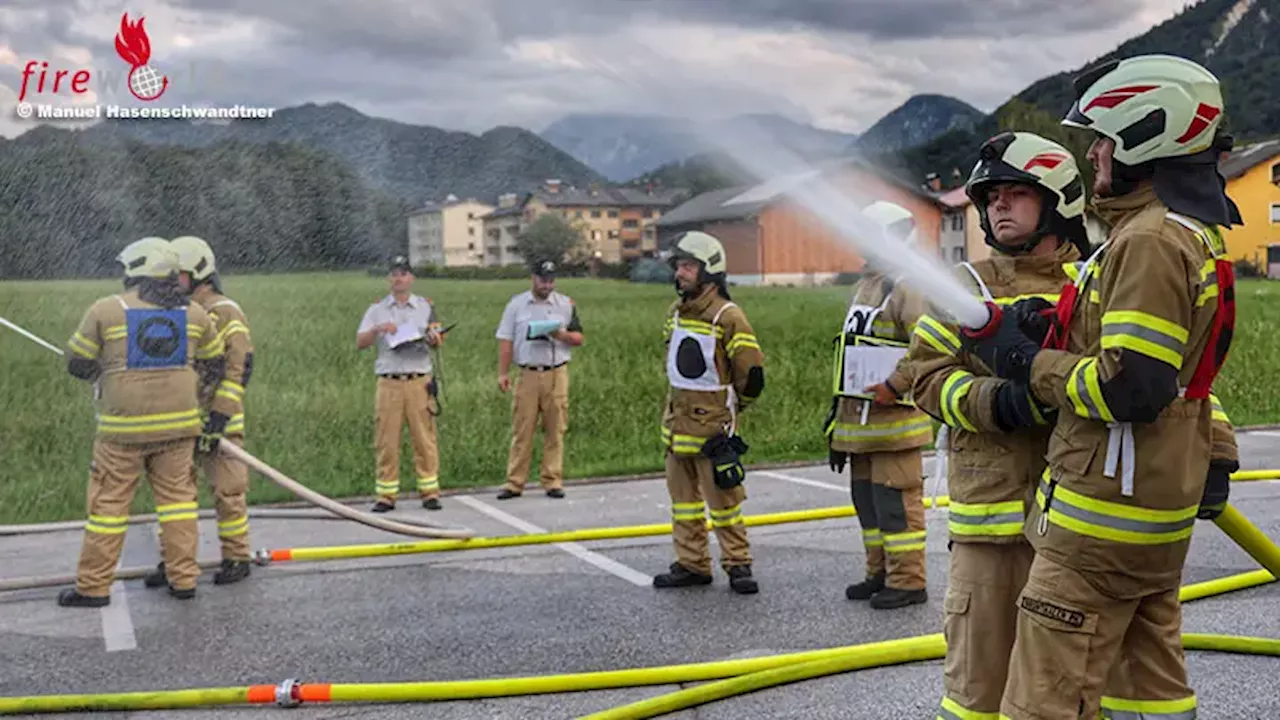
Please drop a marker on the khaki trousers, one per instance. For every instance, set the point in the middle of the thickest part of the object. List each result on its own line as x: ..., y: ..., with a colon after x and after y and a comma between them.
x: 888, y: 490
x: 546, y: 394
x: 230, y: 482
x: 980, y: 622
x: 399, y: 402
x: 690, y: 479
x: 1073, y: 640
x: 113, y: 480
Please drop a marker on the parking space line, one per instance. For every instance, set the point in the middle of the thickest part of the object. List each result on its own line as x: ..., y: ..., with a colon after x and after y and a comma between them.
x: 801, y: 481
x: 117, y: 625
x: 609, y: 565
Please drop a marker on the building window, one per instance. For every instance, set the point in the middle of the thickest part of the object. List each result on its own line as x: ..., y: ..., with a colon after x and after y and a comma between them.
x: 471, y: 246
x: 1275, y: 174
x: 1275, y: 213
x: 596, y: 234
x: 957, y: 254
x: 595, y: 213
x: 613, y: 234
x: 613, y: 213
x: 957, y: 222
x: 630, y: 223
x: 471, y: 231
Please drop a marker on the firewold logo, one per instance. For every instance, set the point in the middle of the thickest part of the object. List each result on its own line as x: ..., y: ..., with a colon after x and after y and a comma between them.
x: 132, y: 45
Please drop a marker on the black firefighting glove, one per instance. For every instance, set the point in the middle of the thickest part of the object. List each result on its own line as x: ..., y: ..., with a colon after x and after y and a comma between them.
x: 836, y: 459
x: 211, y: 435
x: 725, y: 453
x: 1014, y: 407
x: 1006, y: 349
x: 1033, y: 317
x: 1217, y: 488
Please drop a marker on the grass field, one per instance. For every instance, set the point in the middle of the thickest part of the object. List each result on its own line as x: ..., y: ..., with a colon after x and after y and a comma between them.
x: 310, y: 403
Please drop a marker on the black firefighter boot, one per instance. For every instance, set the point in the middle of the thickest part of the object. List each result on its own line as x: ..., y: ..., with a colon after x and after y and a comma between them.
x: 72, y: 598
x: 865, y: 589
x: 232, y: 571
x: 740, y: 580
x: 680, y: 576
x: 156, y: 578
x: 891, y: 598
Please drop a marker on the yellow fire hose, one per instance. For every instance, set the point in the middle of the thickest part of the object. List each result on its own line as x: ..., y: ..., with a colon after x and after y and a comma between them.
x: 291, y: 693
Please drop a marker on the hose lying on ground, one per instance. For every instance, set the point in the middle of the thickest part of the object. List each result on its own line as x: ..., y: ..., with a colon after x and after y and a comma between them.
x: 266, y: 513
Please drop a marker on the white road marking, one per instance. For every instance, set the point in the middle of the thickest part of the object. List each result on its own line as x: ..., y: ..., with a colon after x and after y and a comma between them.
x: 609, y: 565
x: 117, y: 625
x: 1268, y: 433
x: 801, y: 481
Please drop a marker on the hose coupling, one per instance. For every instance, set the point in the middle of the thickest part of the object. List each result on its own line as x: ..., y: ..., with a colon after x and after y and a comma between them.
x: 288, y: 693
x: 262, y: 557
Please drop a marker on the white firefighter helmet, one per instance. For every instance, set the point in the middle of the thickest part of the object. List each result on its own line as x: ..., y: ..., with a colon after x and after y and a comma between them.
x: 149, y: 257
x: 1152, y: 106
x: 896, y: 222
x: 194, y: 256
x: 702, y: 247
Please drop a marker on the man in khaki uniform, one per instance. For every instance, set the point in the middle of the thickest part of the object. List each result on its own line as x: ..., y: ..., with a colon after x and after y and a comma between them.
x: 222, y: 404
x: 139, y: 347
x: 538, y: 331
x: 1030, y: 201
x: 404, y: 327
x: 1129, y: 363
x: 881, y: 438
x: 715, y: 370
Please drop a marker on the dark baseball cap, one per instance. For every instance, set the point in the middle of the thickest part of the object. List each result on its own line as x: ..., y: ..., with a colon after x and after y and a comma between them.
x: 400, y: 262
x: 546, y: 268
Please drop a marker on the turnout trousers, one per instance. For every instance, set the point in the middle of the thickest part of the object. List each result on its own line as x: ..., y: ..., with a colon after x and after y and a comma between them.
x: 1080, y: 653
x: 888, y: 490
x: 401, y: 401
x: 691, y: 484
x: 229, y: 480
x: 538, y: 394
x: 980, y: 615
x: 113, y: 480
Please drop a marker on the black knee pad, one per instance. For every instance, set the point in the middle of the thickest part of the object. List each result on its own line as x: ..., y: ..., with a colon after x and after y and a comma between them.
x: 890, y: 510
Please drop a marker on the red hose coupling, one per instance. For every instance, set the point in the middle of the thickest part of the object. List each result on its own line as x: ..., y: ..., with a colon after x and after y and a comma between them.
x: 289, y: 693
x: 986, y: 331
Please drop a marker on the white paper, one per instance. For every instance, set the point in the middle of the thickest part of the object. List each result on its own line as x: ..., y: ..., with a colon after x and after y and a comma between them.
x: 403, y: 334
x: 867, y: 365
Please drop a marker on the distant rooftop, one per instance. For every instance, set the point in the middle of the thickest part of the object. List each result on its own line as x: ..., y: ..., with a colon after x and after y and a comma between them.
x: 1246, y: 158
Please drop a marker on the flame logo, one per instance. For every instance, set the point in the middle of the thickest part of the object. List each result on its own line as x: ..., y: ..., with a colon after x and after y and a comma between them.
x: 134, y: 47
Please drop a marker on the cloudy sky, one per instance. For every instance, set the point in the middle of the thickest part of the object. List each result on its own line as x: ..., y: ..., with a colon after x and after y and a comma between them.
x: 473, y: 64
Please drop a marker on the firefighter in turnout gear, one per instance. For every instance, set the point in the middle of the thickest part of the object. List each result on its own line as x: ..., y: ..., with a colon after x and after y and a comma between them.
x: 880, y: 439
x: 715, y: 370
x: 1030, y: 200
x: 1129, y: 362
x: 141, y: 348
x: 222, y: 405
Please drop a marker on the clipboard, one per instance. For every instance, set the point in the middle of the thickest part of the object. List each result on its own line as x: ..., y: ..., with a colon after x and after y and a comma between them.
x: 864, y: 361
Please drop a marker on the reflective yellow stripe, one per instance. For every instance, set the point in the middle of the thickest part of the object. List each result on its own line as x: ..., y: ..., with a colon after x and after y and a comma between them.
x: 235, y: 327
x: 954, y: 390
x: 682, y: 444
x: 1085, y: 391
x: 211, y: 349
x: 992, y: 519
x: 690, y: 511
x: 431, y: 482
x: 177, y: 511
x: 235, y: 426
x: 952, y: 710
x: 741, y: 341
x: 900, y: 430
x: 696, y: 326
x: 904, y: 542
x: 83, y: 346
x: 937, y: 335
x: 107, y: 524
x: 1219, y: 413
x: 119, y: 424
x: 1144, y: 333
x: 1011, y: 299
x: 1112, y: 521
x: 1123, y: 709
x: 872, y: 538
x: 116, y: 332
x: 232, y: 528
x: 387, y: 487
x: 727, y: 517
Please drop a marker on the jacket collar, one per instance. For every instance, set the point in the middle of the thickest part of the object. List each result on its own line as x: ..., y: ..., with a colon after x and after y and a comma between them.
x: 701, y: 302
x: 1115, y: 210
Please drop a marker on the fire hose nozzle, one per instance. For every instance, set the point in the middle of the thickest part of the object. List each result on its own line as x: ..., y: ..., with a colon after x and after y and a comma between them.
x: 288, y: 693
x: 989, y: 329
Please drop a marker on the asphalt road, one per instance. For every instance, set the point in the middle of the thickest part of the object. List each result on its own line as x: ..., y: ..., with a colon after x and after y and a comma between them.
x: 554, y: 609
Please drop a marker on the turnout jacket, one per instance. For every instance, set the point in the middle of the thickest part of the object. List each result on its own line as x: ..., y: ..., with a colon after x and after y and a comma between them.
x: 887, y: 428
x: 146, y: 358
x: 711, y: 347
x: 1129, y: 452
x: 226, y: 394
x: 991, y: 474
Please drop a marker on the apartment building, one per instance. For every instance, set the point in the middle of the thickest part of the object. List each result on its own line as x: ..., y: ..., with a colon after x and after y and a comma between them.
x: 448, y: 234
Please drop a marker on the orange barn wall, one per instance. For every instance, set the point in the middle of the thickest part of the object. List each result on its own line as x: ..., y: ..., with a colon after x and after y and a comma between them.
x: 796, y: 241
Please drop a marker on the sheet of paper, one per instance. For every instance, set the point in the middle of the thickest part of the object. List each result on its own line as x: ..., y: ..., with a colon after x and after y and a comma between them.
x: 403, y: 334
x: 866, y: 365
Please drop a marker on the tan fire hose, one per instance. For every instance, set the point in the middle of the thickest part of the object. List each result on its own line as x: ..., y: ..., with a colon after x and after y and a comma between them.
x: 266, y: 513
